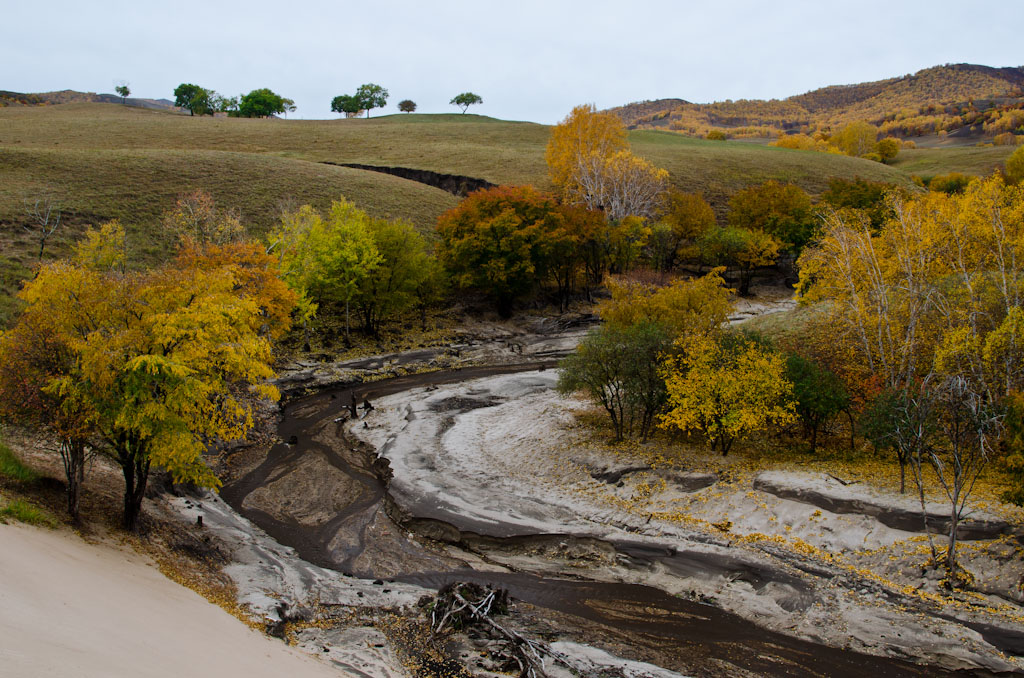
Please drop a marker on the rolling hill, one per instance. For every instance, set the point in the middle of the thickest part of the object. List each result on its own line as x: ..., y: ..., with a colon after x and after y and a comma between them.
x: 982, y: 100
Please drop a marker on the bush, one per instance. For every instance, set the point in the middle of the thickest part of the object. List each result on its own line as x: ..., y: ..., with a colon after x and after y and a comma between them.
x: 951, y: 183
x: 716, y: 135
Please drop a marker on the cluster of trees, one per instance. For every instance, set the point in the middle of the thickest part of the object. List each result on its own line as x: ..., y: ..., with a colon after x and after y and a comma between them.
x: 366, y: 97
x: 354, y: 264
x: 663, y: 358
x: 933, y: 101
x: 858, y: 139
x: 156, y: 368
x: 918, y: 343
x: 614, y: 213
x: 930, y: 309
x: 259, y: 103
x: 372, y: 96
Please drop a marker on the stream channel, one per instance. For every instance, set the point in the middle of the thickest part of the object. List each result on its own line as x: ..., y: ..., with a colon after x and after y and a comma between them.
x: 362, y: 539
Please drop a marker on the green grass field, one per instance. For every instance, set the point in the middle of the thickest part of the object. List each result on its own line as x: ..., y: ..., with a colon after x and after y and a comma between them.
x: 104, y: 161
x: 929, y: 162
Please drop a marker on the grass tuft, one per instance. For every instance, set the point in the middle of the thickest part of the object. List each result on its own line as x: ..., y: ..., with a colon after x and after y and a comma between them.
x: 11, y: 467
x: 28, y: 513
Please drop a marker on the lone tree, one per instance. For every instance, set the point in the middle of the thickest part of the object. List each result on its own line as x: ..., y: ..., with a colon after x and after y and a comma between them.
x: 263, y: 103
x: 371, y: 96
x: 407, y: 106
x: 123, y: 91
x: 465, y: 100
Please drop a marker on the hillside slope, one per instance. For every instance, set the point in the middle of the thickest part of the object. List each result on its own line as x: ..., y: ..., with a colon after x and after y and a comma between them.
x: 983, y: 99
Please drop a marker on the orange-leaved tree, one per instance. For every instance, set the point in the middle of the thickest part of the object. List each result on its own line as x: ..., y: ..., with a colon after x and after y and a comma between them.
x: 506, y: 240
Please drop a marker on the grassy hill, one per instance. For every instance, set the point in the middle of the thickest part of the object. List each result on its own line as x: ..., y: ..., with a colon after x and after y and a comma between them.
x: 105, y: 161
x: 982, y: 100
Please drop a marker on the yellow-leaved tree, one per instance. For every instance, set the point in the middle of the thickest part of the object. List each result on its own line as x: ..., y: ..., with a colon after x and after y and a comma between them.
x: 726, y: 387
x: 156, y: 360
x: 326, y: 259
x: 931, y: 306
x: 589, y: 161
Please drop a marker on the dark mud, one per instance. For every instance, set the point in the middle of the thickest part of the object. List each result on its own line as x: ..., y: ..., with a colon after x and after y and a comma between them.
x: 899, y: 519
x: 456, y: 184
x: 360, y: 538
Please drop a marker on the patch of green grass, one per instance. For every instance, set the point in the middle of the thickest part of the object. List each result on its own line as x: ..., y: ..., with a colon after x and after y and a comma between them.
x: 27, y: 512
x: 785, y: 327
x: 13, y: 468
x: 928, y: 162
x: 718, y: 169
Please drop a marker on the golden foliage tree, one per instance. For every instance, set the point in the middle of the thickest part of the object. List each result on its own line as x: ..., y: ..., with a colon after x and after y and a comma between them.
x: 590, y: 163
x: 782, y: 210
x: 727, y: 388
x: 748, y: 249
x: 685, y: 307
x: 158, y: 357
x: 686, y: 218
x: 932, y: 305
x: 856, y: 138
x: 1015, y: 166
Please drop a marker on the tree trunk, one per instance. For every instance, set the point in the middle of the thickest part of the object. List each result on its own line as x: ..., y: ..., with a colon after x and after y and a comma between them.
x: 135, y: 468
x: 348, y: 336
x: 745, y: 278
x: 72, y: 454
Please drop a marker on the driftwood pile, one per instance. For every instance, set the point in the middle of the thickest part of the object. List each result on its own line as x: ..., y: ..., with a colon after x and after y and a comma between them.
x: 462, y: 607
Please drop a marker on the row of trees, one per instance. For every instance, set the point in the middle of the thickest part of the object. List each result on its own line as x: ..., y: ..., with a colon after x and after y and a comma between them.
x: 259, y: 103
x: 370, y: 96
x: 858, y: 139
x: 613, y: 212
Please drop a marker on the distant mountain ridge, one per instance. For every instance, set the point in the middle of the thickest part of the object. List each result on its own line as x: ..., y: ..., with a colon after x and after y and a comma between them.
x: 983, y: 99
x: 69, y: 96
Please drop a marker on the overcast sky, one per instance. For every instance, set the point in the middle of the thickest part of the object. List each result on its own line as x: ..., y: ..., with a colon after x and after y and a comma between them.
x: 528, y: 59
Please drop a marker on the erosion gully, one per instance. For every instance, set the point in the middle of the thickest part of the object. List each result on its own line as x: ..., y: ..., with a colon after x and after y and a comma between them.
x: 699, y: 636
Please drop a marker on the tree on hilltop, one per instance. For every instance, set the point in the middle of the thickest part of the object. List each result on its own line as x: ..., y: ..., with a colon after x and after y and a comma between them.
x: 123, y: 91
x: 196, y: 99
x: 347, y: 104
x: 407, y: 106
x: 465, y: 100
x: 368, y: 96
x: 263, y: 103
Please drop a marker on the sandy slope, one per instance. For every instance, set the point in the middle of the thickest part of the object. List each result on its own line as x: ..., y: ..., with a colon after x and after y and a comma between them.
x: 72, y: 608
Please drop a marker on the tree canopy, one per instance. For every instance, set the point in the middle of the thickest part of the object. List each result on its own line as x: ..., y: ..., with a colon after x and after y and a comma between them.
x: 263, y: 103
x: 465, y: 100
x: 195, y: 99
x: 590, y: 164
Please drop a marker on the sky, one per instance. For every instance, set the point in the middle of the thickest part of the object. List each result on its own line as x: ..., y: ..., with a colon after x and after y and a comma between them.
x: 528, y: 59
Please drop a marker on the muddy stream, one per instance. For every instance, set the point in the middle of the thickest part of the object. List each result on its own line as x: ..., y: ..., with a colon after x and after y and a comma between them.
x: 327, y: 496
